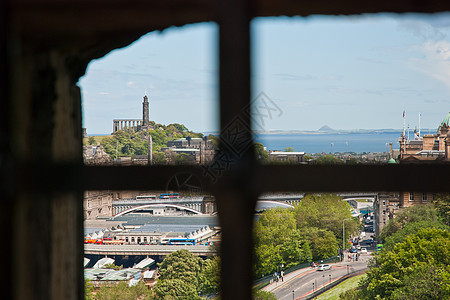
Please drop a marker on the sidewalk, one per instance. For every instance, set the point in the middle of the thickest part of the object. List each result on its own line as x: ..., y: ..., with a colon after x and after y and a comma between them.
x: 272, y: 286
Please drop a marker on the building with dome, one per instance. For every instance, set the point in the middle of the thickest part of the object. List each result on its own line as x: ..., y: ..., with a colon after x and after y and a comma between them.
x: 430, y: 148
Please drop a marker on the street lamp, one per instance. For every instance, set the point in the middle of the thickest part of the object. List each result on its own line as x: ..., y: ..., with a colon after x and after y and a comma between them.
x: 332, y: 148
x: 343, y: 237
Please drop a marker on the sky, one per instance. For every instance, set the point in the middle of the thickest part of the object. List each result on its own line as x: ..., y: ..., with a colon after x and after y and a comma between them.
x: 345, y: 72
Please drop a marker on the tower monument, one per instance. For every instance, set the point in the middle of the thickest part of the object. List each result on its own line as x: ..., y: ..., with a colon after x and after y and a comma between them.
x: 145, y: 113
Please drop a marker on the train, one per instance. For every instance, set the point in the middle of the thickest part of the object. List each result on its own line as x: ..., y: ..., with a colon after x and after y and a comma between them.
x: 177, y: 241
x: 103, y: 241
x: 169, y: 195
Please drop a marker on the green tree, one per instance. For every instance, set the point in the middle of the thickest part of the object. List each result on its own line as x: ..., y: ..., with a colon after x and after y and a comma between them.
x: 175, y: 289
x: 408, y: 229
x: 328, y: 160
x: 88, y: 290
x: 260, y: 152
x: 326, y: 211
x: 417, y: 266
x: 322, y: 241
x: 277, y: 241
x: 442, y: 204
x: 112, y: 266
x: 159, y: 158
x: 263, y: 295
x: 427, y: 215
x: 183, y: 159
x: 121, y: 291
x: 289, y: 149
x: 91, y: 140
x: 182, y: 265
x: 210, y: 276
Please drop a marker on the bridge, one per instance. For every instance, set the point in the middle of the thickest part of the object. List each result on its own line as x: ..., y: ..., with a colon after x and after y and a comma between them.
x: 194, y: 204
x: 163, y: 250
x: 358, y: 195
x: 156, y: 206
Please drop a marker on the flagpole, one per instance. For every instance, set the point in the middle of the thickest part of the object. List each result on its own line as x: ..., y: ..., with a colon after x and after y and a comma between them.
x: 419, y: 123
x: 408, y: 133
x: 403, y: 123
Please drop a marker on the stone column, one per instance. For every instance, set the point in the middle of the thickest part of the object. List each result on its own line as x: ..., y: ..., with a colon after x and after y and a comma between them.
x: 145, y: 112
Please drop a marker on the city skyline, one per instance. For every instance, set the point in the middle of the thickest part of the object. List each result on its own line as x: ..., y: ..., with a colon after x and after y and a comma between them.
x: 344, y: 72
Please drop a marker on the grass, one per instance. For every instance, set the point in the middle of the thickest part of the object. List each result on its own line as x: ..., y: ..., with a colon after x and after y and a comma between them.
x: 343, y: 286
x: 362, y: 200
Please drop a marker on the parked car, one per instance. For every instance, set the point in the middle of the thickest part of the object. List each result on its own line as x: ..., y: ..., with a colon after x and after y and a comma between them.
x: 323, y: 267
x: 363, y: 250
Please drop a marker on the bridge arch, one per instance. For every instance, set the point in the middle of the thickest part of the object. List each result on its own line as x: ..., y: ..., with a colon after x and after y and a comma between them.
x: 265, y: 204
x: 135, y: 208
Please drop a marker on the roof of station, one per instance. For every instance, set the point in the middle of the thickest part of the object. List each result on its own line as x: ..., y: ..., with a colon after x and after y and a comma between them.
x: 181, y: 228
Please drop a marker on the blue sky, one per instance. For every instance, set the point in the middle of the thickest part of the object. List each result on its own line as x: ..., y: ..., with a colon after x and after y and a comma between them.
x: 344, y: 72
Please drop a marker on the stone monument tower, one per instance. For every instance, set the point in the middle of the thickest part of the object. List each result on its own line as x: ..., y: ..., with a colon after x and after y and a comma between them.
x: 145, y: 113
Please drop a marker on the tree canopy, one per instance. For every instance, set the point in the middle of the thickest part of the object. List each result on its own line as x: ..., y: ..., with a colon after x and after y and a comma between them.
x: 121, y: 291
x: 184, y: 276
x: 326, y: 212
x: 129, y: 142
x: 418, y: 268
x: 310, y: 231
x: 408, y: 221
x: 278, y: 241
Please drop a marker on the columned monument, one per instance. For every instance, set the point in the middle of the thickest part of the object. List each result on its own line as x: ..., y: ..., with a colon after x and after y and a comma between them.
x: 135, y: 124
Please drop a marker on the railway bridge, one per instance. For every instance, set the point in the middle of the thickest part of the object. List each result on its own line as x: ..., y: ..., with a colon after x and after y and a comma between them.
x: 148, y: 250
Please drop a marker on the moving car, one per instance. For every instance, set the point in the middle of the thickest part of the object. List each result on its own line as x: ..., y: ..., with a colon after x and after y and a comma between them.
x: 363, y: 250
x: 323, y: 267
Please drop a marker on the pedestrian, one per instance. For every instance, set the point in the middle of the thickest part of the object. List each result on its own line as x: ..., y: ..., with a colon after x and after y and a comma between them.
x: 282, y: 275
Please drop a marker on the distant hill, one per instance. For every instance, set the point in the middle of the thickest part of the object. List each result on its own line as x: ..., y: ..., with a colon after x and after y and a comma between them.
x: 326, y: 128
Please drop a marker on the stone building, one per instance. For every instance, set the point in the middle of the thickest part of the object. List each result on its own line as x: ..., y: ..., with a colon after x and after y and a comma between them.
x: 135, y: 124
x: 97, y: 204
x: 199, y: 150
x: 95, y: 155
x: 295, y: 157
x: 429, y: 148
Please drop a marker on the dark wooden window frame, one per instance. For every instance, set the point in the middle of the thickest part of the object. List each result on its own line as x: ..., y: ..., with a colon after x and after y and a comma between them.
x: 235, y: 190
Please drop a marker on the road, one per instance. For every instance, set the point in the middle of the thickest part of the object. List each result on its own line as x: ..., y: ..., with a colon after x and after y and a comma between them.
x: 304, y: 281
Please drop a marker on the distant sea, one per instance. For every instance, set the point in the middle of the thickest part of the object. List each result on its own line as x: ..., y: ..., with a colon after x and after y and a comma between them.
x: 374, y: 141
x: 318, y: 143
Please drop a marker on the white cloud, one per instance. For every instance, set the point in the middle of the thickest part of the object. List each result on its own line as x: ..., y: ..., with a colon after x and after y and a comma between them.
x: 435, y: 60
x: 131, y: 84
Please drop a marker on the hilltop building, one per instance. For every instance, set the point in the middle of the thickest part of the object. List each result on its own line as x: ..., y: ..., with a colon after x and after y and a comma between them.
x: 135, y: 124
